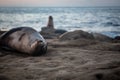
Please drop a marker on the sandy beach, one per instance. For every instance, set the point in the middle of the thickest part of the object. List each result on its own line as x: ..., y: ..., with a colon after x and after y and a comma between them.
x: 60, y: 40
x: 65, y: 60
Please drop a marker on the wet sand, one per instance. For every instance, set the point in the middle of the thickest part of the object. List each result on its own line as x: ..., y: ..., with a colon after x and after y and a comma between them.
x: 64, y: 61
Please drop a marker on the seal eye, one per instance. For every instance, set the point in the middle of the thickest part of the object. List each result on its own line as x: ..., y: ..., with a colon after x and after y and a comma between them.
x: 21, y: 37
x: 40, y: 41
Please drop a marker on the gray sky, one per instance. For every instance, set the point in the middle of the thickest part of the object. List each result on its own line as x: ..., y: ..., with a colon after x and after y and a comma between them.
x: 59, y: 3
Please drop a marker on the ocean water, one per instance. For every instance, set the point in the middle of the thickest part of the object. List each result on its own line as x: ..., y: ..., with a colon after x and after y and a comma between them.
x: 105, y: 20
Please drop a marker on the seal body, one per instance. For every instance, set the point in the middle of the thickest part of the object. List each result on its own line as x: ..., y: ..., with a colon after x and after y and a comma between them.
x: 24, y: 39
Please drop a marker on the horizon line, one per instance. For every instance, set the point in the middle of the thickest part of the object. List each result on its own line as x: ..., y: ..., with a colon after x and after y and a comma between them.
x: 56, y: 6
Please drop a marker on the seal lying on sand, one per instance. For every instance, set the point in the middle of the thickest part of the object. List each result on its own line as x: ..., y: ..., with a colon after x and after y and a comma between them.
x: 24, y: 39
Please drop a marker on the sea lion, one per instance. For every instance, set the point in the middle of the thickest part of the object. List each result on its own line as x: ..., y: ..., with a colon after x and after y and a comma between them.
x: 24, y: 39
x: 50, y: 22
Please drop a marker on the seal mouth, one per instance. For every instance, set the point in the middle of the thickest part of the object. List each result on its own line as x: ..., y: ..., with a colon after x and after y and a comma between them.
x: 39, y: 48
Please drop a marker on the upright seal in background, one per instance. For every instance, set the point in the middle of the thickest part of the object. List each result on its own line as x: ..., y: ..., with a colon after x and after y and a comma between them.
x: 50, y: 22
x: 24, y: 39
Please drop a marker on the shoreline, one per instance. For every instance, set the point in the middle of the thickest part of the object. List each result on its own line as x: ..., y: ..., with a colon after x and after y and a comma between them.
x: 109, y: 34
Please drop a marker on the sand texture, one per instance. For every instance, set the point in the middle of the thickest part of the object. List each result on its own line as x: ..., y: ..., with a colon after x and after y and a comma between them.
x: 65, y: 60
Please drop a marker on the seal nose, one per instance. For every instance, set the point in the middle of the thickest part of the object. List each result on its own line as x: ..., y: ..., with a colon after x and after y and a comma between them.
x: 37, y: 43
x: 40, y: 48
